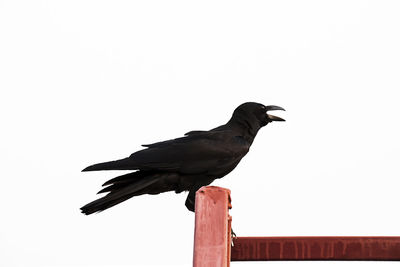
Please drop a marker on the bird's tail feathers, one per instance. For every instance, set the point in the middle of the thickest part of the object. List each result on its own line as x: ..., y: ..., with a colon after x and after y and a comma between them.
x: 129, y: 177
x: 124, y: 188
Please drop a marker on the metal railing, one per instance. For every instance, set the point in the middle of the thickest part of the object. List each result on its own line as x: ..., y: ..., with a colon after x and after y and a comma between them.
x: 212, y: 240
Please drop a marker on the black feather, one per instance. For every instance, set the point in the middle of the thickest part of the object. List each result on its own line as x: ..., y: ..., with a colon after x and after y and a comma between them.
x: 122, y: 164
x: 119, y: 194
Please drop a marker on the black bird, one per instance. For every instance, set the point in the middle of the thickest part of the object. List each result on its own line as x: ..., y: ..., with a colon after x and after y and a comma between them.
x: 186, y: 163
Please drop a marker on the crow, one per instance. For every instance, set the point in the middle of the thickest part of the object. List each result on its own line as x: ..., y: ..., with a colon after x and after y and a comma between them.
x: 186, y: 163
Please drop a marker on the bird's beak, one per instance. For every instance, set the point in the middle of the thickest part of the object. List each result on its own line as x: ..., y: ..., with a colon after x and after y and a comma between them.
x: 272, y: 117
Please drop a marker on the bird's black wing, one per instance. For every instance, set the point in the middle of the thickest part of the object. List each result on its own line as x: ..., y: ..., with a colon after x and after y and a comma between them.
x: 194, y: 154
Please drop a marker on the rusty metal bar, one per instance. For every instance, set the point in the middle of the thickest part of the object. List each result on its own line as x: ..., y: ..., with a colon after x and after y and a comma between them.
x: 212, y: 239
x: 379, y: 248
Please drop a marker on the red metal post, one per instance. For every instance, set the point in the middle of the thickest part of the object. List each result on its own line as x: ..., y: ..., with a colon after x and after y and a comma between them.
x: 316, y: 248
x: 212, y: 227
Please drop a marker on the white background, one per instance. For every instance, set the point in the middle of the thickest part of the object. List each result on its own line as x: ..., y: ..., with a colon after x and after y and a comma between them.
x: 89, y: 81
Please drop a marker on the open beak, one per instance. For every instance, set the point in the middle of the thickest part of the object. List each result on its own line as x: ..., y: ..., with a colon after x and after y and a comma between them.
x: 272, y: 117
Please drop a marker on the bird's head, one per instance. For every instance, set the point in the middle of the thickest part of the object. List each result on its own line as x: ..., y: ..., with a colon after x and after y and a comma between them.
x: 255, y: 114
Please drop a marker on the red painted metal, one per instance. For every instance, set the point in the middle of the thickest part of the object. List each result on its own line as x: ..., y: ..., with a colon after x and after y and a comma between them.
x: 316, y: 248
x: 212, y: 242
x: 212, y: 227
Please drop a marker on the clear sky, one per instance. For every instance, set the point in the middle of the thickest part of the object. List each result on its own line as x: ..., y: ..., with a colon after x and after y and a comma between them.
x: 83, y: 82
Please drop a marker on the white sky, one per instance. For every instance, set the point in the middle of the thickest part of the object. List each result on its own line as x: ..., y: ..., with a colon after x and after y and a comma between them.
x: 90, y: 81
